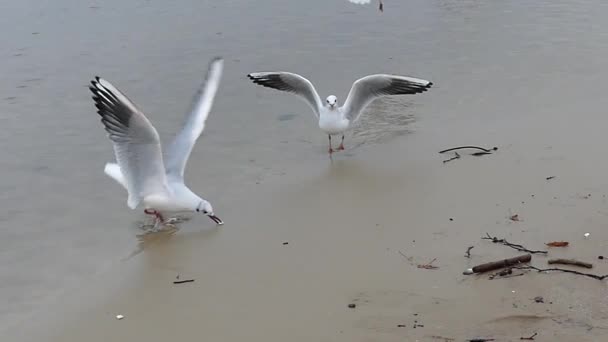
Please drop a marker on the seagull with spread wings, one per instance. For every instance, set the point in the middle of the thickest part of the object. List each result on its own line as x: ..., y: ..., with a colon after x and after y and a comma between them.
x: 335, y: 120
x: 155, y: 184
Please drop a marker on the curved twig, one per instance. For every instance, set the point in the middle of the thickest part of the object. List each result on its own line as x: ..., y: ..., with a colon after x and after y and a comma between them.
x: 475, y: 147
x: 594, y: 276
x: 512, y: 245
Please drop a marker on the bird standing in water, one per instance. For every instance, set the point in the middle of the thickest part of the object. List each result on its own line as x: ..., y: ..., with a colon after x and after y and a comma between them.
x: 333, y: 119
x: 139, y: 167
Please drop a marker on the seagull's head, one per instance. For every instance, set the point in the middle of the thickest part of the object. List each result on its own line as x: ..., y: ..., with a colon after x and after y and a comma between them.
x: 206, y: 208
x: 332, y: 101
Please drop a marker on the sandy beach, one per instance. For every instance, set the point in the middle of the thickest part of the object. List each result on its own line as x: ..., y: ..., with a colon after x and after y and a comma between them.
x: 316, y: 249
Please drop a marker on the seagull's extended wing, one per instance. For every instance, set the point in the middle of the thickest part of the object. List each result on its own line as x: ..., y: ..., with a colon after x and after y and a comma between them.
x: 136, y: 142
x: 368, y: 88
x: 181, y: 147
x: 292, y: 83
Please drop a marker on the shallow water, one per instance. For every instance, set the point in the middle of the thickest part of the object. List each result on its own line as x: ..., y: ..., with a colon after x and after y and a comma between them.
x: 504, y: 70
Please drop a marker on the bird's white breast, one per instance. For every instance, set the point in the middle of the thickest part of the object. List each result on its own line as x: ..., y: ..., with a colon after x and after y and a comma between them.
x: 333, y: 122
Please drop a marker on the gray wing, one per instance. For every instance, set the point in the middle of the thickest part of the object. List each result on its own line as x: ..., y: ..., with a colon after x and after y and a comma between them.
x: 292, y: 83
x: 368, y: 88
x: 181, y: 147
x: 136, y: 142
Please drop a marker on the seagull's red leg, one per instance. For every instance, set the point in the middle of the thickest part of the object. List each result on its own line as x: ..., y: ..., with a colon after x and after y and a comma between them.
x: 341, y: 147
x: 330, y: 149
x: 156, y: 214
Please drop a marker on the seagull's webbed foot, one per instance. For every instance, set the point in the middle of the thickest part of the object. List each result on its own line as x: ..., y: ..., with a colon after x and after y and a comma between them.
x: 159, y: 220
x: 156, y: 214
x: 177, y: 219
x: 341, y: 147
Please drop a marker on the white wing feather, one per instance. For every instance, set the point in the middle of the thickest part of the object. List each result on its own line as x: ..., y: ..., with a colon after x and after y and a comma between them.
x: 292, y: 83
x: 136, y: 142
x: 181, y: 147
x: 113, y: 171
x: 368, y: 88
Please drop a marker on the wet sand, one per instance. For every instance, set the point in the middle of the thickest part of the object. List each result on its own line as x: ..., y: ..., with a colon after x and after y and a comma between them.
x: 345, y: 223
x: 538, y: 95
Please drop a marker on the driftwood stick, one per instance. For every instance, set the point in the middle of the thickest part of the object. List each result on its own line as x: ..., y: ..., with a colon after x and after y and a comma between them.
x: 512, y: 245
x: 183, y: 281
x: 474, y: 147
x: 490, y: 266
x: 570, y: 262
x: 594, y: 276
x: 467, y: 254
x: 529, y: 338
x: 457, y: 156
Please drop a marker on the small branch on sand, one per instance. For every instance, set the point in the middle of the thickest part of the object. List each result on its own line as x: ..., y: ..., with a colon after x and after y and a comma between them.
x: 455, y: 157
x: 491, y: 266
x: 531, y: 338
x: 183, y: 281
x: 485, y: 150
x: 481, y: 340
x: 409, y: 259
x: 428, y: 266
x: 512, y: 245
x: 506, y: 273
x: 477, y: 154
x: 467, y: 254
x: 570, y: 262
x: 594, y: 276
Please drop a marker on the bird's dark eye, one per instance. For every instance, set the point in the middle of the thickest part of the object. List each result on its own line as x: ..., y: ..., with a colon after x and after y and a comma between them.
x: 205, y: 212
x: 197, y: 210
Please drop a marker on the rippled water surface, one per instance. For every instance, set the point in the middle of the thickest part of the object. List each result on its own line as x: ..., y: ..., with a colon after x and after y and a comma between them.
x: 494, y: 64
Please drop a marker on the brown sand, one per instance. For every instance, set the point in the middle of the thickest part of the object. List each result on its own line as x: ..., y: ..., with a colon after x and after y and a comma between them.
x: 345, y: 222
x: 528, y: 77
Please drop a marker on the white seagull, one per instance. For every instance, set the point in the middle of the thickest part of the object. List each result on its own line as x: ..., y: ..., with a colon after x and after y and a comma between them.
x: 365, y: 2
x: 334, y: 120
x: 140, y: 169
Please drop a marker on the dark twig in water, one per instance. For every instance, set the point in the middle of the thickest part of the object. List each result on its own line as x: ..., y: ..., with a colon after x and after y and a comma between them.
x: 569, y: 262
x: 508, y: 273
x: 183, y: 281
x: 455, y: 157
x: 512, y: 245
x: 409, y: 259
x: 531, y: 338
x: 594, y: 276
x: 467, y: 254
x: 380, y: 6
x: 485, y: 150
x: 491, y: 266
x: 428, y: 266
x: 481, y: 340
x: 477, y: 154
